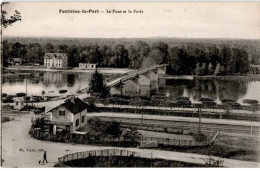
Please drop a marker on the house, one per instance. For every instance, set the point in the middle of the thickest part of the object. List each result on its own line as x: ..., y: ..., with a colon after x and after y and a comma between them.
x: 17, y: 61
x: 70, y: 115
x: 18, y: 103
x: 56, y: 60
x: 87, y: 66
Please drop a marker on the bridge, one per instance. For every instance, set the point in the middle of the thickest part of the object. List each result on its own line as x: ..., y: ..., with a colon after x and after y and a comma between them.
x: 140, y: 81
x: 134, y: 74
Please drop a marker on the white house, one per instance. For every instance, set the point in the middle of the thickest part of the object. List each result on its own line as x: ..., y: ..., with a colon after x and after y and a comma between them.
x: 87, y: 66
x: 18, y: 103
x: 56, y: 60
x: 70, y: 115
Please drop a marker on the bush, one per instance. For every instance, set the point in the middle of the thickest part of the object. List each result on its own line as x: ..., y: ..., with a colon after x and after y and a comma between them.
x: 227, y: 100
x: 8, y: 99
x: 233, y: 104
x: 209, y: 103
x: 182, y: 99
x: 251, y: 101
x: 5, y: 119
x: 199, y: 137
x: 20, y: 94
x: 184, y: 103
x: 62, y: 91
x: 204, y: 99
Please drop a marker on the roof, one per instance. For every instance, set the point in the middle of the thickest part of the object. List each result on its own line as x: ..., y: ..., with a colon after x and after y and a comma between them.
x: 76, y: 107
x: 18, y: 99
x: 55, y: 55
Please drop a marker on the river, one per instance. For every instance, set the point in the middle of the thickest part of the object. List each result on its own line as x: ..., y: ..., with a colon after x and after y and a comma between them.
x: 52, y: 82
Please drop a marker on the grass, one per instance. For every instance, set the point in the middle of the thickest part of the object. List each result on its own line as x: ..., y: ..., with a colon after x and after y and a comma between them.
x: 232, y: 147
x: 6, y: 119
x: 120, y: 161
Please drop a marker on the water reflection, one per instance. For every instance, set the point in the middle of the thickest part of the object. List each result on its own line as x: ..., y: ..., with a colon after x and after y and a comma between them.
x: 215, y: 89
x: 50, y: 82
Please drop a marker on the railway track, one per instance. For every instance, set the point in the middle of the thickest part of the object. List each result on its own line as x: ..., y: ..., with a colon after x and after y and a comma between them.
x: 184, y: 126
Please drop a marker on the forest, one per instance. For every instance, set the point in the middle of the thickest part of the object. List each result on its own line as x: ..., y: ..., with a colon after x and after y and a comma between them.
x: 184, y: 56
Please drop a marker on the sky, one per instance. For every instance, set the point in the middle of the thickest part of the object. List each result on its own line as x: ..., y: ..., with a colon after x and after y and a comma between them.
x: 168, y: 19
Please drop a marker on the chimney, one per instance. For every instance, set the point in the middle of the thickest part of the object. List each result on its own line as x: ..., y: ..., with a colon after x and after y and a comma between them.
x: 72, y: 99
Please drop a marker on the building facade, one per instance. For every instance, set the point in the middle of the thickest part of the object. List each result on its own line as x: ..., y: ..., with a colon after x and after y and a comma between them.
x: 87, y: 66
x: 69, y: 116
x: 18, y: 103
x: 56, y: 60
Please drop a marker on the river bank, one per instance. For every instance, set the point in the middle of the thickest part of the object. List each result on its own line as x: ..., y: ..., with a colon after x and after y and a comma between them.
x: 73, y: 70
x: 248, y: 77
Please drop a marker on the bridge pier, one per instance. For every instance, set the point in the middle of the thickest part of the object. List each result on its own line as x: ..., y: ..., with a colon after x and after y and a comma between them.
x: 141, y: 82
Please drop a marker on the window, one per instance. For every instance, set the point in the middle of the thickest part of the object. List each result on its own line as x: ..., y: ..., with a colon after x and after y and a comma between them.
x: 61, y: 112
x: 16, y: 103
x: 83, y: 119
x: 77, y: 122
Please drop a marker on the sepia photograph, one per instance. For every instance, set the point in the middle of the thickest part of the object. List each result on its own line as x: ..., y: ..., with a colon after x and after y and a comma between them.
x: 130, y: 84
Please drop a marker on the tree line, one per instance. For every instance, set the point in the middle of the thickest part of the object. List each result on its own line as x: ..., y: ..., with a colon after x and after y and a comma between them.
x: 183, y: 59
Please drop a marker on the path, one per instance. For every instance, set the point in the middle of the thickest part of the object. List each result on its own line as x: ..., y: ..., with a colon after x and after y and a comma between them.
x: 16, y: 138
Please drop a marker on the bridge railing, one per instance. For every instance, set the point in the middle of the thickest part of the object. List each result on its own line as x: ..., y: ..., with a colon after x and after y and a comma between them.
x: 104, y: 152
x: 138, y: 72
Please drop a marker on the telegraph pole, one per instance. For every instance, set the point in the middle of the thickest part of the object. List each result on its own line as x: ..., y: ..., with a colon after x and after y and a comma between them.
x: 26, y: 91
x: 199, y: 119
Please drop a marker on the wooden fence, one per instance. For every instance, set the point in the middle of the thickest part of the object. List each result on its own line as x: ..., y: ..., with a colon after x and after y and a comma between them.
x: 178, y: 142
x: 180, y: 109
x: 105, y: 152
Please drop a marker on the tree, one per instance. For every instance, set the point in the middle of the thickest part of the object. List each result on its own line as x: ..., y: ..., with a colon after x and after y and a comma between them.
x: 97, y: 85
x: 95, y: 55
x: 18, y: 51
x: 163, y: 48
x: 73, y: 56
x: 49, y: 48
x: 134, y: 57
x: 217, y: 69
x: 157, y: 55
x: 197, y: 69
x: 106, y: 53
x: 121, y: 56
x: 202, y: 69
x: 13, y: 18
x: 113, y: 128
x: 210, y: 69
x: 6, y: 49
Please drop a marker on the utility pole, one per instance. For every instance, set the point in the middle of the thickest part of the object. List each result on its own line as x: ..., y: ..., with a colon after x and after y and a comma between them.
x: 26, y: 91
x: 199, y: 119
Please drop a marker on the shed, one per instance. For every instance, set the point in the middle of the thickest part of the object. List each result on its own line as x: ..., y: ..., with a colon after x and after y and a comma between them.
x: 18, y: 103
